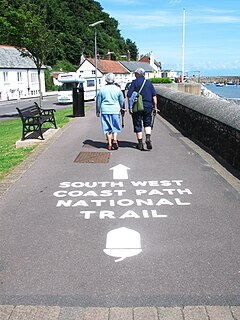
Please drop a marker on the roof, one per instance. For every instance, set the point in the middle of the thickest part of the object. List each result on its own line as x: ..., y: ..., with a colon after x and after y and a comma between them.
x: 106, y: 66
x: 10, y: 57
x: 133, y: 65
x: 146, y: 58
x: 55, y: 74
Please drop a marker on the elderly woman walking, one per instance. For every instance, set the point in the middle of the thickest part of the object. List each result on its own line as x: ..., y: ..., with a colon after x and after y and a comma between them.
x: 110, y: 101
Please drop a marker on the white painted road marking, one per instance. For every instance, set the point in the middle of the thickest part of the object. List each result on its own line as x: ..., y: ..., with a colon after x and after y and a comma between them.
x: 120, y: 172
x: 123, y: 243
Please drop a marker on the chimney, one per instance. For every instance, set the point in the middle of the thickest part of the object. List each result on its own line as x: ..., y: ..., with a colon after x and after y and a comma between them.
x: 109, y: 55
x: 137, y: 57
x: 128, y: 56
x: 151, y: 59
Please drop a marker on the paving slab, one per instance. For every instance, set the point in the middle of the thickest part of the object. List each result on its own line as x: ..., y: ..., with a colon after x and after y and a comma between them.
x: 35, y: 313
x: 195, y: 313
x: 219, y: 313
x: 235, y: 312
x: 175, y: 313
x: 28, y: 142
x: 70, y: 313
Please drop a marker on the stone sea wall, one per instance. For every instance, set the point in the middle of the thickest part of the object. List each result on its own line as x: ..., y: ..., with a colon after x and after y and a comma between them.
x: 214, y: 123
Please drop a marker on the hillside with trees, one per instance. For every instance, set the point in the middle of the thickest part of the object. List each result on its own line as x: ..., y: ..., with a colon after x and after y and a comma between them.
x: 54, y: 31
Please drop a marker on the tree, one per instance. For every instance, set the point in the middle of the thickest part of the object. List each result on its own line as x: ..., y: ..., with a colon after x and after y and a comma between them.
x: 28, y: 30
x: 133, y: 50
x: 64, y: 65
x: 53, y: 30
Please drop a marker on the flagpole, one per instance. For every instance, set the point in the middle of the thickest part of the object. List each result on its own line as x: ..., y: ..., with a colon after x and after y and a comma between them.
x: 183, y: 43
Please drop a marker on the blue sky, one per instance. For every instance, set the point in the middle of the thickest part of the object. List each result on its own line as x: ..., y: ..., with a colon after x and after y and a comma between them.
x: 212, y: 32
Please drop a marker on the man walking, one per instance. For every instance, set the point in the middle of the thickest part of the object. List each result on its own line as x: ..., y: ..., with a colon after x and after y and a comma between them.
x: 142, y: 118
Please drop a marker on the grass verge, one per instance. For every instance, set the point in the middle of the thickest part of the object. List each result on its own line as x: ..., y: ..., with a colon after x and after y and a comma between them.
x: 10, y: 132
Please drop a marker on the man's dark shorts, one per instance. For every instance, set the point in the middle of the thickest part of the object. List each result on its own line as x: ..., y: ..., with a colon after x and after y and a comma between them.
x: 142, y: 118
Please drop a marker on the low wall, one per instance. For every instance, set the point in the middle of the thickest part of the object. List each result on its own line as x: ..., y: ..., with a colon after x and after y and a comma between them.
x: 193, y: 88
x: 214, y: 123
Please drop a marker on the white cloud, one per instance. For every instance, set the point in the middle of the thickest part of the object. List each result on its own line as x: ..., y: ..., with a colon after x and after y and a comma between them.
x: 212, y: 19
x: 147, y: 20
x: 172, y: 18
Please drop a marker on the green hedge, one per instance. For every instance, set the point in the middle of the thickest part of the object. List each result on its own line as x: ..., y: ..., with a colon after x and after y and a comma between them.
x: 160, y: 80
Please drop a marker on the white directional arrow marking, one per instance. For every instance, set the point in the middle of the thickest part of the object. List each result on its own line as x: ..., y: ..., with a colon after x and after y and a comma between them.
x: 120, y: 172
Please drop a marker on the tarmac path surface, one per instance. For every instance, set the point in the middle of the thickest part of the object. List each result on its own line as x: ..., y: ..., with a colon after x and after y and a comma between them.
x: 92, y: 234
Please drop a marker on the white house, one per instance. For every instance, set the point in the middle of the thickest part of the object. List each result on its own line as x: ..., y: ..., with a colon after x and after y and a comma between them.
x: 87, y: 71
x: 123, y: 70
x: 170, y: 74
x: 156, y: 65
x: 131, y: 66
x: 18, y: 75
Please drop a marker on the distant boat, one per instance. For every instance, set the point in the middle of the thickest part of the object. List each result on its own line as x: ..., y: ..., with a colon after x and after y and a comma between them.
x: 230, y: 83
x: 219, y: 84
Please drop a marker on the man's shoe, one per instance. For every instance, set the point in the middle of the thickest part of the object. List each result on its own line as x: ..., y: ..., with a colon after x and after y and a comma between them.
x: 149, y: 144
x: 140, y: 146
x: 115, y: 144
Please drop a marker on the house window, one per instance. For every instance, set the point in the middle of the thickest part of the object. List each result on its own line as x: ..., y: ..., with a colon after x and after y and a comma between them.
x: 93, y: 71
x: 34, y: 92
x: 5, y: 76
x: 19, y: 76
x: 90, y: 83
x: 34, y: 77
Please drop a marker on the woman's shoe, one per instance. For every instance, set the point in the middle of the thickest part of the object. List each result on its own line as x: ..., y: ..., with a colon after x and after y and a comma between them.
x: 109, y: 147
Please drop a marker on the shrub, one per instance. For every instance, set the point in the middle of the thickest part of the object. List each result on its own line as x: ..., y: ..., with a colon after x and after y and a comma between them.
x: 160, y: 80
x: 50, y: 86
x: 65, y: 66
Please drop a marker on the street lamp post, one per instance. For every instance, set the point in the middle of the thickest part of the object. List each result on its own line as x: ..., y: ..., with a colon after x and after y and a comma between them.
x: 95, y: 50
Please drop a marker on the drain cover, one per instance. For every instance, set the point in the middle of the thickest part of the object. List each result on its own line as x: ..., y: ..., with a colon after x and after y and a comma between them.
x: 92, y: 157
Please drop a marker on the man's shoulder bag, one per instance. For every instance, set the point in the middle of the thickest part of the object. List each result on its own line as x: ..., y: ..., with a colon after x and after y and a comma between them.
x: 138, y: 102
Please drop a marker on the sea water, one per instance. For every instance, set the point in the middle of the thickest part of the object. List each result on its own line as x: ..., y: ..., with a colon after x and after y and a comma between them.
x: 229, y: 92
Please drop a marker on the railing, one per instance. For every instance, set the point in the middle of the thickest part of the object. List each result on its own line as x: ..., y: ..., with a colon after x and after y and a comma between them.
x: 213, y: 123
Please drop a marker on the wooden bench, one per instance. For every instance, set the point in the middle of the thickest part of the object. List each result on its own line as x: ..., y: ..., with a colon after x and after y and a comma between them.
x: 34, y: 117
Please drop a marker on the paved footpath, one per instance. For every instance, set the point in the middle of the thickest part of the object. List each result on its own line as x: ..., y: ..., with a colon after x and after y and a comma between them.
x: 139, y: 313
x: 53, y: 263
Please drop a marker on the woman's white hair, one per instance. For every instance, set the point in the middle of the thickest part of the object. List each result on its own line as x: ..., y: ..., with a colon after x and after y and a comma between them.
x: 110, y: 78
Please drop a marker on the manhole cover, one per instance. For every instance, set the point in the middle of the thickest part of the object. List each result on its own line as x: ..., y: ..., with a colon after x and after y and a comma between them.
x: 92, y: 157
